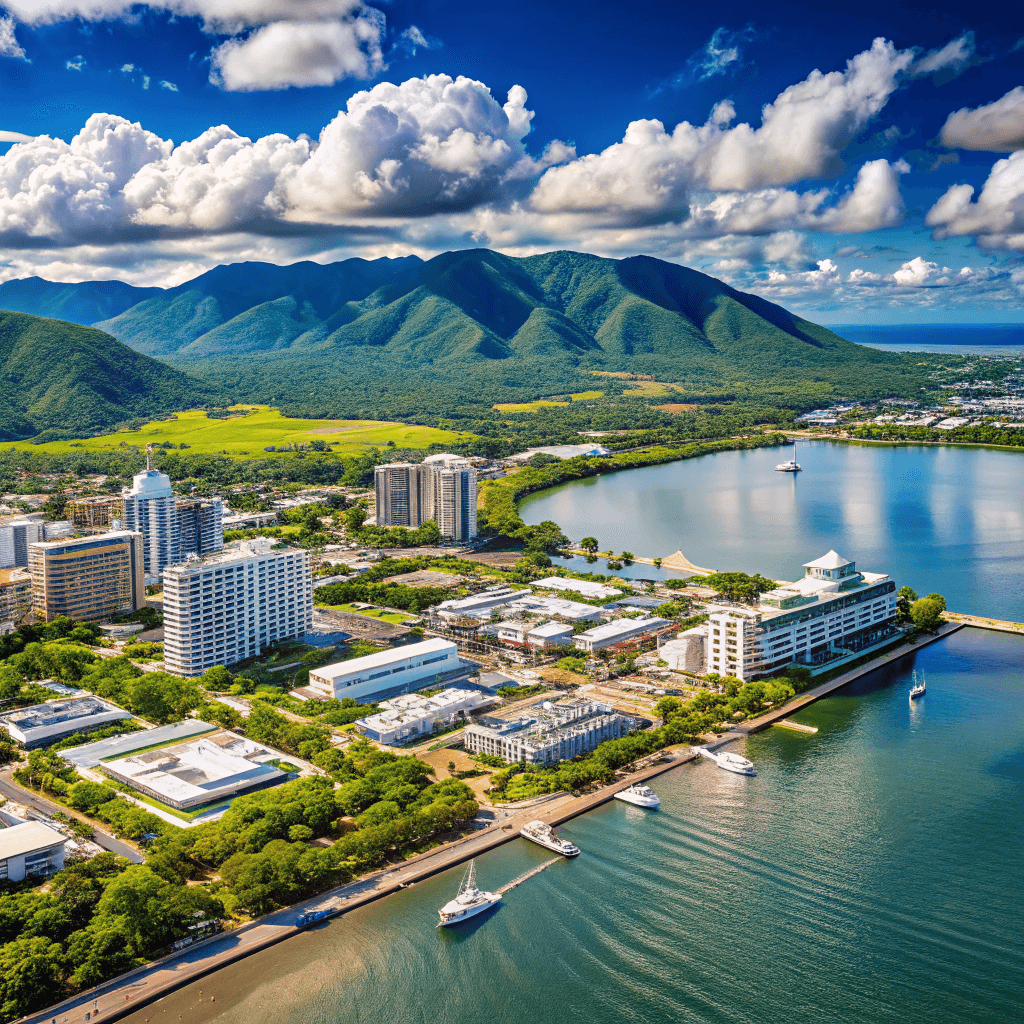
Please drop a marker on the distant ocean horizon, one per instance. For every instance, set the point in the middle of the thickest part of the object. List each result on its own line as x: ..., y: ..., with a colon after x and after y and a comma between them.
x: 975, y: 339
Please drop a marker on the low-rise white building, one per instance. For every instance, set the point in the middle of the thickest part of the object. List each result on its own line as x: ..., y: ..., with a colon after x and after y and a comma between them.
x: 411, y: 716
x: 610, y: 633
x: 832, y: 612
x: 597, y: 591
x: 556, y: 608
x: 477, y: 606
x: 687, y: 652
x: 30, y: 850
x: 233, y: 605
x: 197, y: 772
x: 549, y: 733
x: 564, y: 451
x: 432, y: 662
x: 42, y: 724
x: 550, y: 634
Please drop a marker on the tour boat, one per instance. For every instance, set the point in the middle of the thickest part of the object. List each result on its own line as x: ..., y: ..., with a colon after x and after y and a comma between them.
x: 727, y: 761
x: 469, y: 902
x: 540, y: 832
x: 640, y: 795
x: 917, y: 690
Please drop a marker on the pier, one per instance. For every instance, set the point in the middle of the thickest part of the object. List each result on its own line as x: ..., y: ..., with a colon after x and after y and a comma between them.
x: 519, y: 879
x: 980, y: 622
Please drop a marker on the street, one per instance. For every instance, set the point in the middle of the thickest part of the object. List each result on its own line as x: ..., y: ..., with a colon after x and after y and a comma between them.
x: 36, y: 803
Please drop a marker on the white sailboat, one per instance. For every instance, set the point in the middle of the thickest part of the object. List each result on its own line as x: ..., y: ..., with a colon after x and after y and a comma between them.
x: 918, y: 688
x: 792, y: 466
x: 469, y: 902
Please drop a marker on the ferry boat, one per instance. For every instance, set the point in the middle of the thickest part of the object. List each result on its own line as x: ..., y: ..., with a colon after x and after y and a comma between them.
x: 540, y: 833
x: 469, y: 902
x: 640, y: 795
x: 727, y: 761
x: 918, y: 689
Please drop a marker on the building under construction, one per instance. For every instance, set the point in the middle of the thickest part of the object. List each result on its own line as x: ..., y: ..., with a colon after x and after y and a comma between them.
x: 96, y: 513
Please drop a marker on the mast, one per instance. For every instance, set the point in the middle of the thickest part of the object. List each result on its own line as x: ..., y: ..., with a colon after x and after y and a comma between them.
x: 469, y: 882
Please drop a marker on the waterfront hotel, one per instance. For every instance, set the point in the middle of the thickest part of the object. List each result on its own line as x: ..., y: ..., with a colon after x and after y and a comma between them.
x: 833, y: 612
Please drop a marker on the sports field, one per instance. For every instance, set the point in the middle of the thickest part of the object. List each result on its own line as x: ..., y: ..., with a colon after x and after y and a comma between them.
x: 255, y: 428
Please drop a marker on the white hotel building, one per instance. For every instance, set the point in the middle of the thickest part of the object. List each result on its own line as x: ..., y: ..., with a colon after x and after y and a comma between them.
x: 231, y: 606
x: 834, y: 611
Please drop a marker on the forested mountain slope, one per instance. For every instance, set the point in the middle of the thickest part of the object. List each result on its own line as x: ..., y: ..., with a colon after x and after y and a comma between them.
x: 74, y: 380
x: 405, y: 337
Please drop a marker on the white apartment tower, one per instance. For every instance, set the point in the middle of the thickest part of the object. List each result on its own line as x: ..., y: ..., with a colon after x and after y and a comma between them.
x: 231, y: 606
x: 149, y: 509
x: 172, y: 528
x: 15, y: 536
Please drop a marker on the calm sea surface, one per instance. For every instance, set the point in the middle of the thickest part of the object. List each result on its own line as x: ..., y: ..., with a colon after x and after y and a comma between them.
x: 939, y: 519
x: 869, y: 873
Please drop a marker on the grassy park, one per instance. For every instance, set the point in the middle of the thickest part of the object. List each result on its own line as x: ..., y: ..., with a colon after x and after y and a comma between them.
x: 254, y: 428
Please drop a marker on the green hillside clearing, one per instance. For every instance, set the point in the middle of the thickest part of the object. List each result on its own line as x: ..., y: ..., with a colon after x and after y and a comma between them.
x: 257, y: 427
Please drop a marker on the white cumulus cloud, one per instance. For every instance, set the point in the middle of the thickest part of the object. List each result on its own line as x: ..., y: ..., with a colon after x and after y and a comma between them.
x: 9, y: 45
x: 997, y: 127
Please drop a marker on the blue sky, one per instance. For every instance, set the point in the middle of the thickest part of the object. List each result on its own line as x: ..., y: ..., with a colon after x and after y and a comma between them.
x: 863, y: 165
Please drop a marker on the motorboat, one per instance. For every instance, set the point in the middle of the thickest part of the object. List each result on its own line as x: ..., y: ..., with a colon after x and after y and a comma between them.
x: 727, y: 761
x: 469, y: 902
x: 639, y: 795
x: 541, y: 833
x: 918, y: 688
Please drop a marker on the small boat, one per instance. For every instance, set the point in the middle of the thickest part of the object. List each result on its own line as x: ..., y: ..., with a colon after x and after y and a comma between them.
x: 311, y: 916
x: 788, y: 467
x: 640, y: 795
x: 918, y: 688
x: 469, y: 902
x: 727, y: 761
x: 540, y: 832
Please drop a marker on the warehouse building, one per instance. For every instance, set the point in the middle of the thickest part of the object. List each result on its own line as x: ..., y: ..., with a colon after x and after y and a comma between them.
x: 30, y: 850
x: 610, y: 633
x: 198, y: 772
x: 42, y: 724
x: 389, y: 673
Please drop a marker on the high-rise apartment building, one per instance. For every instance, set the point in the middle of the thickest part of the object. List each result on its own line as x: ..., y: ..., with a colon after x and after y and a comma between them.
x: 15, y: 536
x: 399, y: 495
x: 150, y: 509
x: 442, y: 488
x: 172, y: 528
x: 200, y: 526
x: 87, y: 578
x: 231, y: 606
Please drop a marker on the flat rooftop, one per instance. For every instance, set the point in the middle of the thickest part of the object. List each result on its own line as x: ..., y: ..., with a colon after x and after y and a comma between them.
x: 199, y: 771
x: 584, y: 587
x: 620, y: 627
x: 60, y: 718
x: 384, y: 658
x: 31, y: 837
x: 88, y: 755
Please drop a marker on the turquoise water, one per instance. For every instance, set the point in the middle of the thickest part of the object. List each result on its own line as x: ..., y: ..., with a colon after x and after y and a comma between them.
x: 869, y: 873
x: 939, y: 519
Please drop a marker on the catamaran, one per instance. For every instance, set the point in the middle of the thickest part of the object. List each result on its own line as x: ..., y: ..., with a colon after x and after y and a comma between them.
x: 918, y: 688
x: 469, y: 902
x: 789, y: 467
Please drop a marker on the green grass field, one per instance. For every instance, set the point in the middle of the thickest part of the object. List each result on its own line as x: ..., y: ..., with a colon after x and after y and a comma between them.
x: 373, y: 613
x: 579, y: 396
x: 256, y: 427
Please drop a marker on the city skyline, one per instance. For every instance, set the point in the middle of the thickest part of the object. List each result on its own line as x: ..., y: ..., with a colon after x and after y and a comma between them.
x: 869, y: 173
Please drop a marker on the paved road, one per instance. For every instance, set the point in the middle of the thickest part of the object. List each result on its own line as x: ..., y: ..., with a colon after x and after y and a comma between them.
x: 37, y: 803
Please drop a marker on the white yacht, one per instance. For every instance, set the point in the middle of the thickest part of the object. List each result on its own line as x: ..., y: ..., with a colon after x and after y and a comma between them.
x: 918, y: 688
x: 728, y: 761
x: 640, y: 795
x: 540, y: 832
x: 469, y: 902
x: 788, y: 467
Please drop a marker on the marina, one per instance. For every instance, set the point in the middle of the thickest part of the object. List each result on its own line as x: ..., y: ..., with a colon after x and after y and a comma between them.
x: 873, y: 787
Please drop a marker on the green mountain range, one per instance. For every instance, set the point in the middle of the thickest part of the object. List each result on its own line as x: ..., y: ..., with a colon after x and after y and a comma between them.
x: 72, y: 380
x: 406, y: 337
